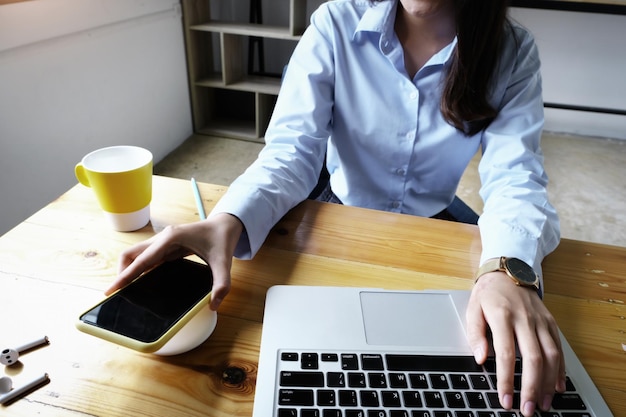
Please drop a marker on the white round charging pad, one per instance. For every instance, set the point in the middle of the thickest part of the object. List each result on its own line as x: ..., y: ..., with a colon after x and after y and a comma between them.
x: 192, y: 335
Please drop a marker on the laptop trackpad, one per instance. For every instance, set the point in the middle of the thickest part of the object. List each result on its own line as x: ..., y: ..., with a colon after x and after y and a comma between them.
x: 412, y: 319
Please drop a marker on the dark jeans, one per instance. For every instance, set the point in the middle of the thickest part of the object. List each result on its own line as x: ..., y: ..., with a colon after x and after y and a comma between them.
x: 458, y: 211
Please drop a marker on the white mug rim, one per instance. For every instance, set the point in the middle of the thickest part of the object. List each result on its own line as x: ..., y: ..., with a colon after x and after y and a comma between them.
x: 143, y: 155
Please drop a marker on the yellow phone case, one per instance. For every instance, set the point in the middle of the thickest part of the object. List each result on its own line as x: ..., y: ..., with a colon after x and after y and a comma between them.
x: 144, y: 347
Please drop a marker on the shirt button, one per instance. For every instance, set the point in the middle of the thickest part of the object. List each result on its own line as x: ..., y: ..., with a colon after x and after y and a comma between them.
x: 409, y: 135
x: 400, y: 171
x: 413, y: 95
x: 395, y: 204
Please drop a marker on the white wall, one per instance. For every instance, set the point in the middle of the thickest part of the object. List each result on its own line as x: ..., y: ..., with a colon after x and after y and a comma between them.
x: 76, y: 75
x: 583, y: 63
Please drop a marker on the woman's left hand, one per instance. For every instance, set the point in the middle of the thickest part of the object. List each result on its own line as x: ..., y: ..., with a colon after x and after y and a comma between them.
x: 515, y: 313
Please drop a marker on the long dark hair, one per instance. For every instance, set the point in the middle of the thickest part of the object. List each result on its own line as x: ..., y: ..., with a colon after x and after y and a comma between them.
x: 480, y: 26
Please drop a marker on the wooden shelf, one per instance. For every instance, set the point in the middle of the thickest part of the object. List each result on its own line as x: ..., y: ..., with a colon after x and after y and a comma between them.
x: 228, y: 98
x: 247, y: 29
x: 254, y: 83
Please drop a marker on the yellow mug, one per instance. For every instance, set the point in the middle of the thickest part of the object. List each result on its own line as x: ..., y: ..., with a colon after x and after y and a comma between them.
x: 121, y: 178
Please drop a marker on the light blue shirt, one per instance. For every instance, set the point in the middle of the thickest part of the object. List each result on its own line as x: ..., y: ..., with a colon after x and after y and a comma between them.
x: 347, y: 92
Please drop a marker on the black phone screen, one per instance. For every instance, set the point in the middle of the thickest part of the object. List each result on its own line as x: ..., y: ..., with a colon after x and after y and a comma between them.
x: 146, y: 308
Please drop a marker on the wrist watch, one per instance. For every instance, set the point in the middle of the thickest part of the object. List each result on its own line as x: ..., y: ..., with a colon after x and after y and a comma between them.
x: 519, y: 271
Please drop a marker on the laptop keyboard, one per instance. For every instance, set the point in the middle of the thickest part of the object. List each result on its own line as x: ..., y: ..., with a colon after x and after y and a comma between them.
x: 318, y: 384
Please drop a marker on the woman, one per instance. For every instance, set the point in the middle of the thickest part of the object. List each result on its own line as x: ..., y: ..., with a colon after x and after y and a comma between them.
x: 400, y: 94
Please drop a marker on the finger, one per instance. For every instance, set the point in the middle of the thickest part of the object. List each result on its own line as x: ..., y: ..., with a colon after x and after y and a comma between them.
x: 554, y: 364
x: 135, y: 261
x: 504, y: 348
x: 561, y: 381
x: 533, y: 371
x: 476, y: 328
x: 128, y: 256
x: 221, y: 283
x: 556, y: 337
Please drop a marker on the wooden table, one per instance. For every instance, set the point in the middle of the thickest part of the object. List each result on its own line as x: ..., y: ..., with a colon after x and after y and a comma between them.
x: 58, y: 262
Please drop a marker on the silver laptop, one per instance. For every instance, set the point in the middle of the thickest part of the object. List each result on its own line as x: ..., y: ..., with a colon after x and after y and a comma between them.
x: 356, y: 352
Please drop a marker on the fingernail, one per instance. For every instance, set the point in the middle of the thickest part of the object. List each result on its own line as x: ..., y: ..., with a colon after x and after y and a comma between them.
x: 529, y: 408
x: 547, y: 402
x: 478, y: 354
x: 507, y: 401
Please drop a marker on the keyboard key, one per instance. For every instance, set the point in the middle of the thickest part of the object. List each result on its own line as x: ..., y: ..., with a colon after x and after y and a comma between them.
x: 331, y: 413
x: 289, y: 356
x: 310, y: 412
x: 412, y: 399
x: 454, y: 399
x: 376, y: 413
x: 432, y: 363
x: 303, y: 397
x: 463, y: 414
x: 377, y: 380
x: 490, y: 365
x: 326, y: 398
x: 517, y: 381
x: 355, y: 413
x: 301, y: 379
x: 309, y: 361
x: 479, y: 382
x: 418, y: 381
x: 335, y: 380
x: 494, y: 401
x: 372, y: 362
x: 398, y: 381
x: 398, y: 413
x: 568, y: 401
x: 347, y: 398
x: 569, y: 385
x: 438, y: 381
x: 459, y: 381
x: 330, y: 357
x: 391, y: 398
x: 356, y: 380
x: 475, y: 399
x: 349, y: 362
x: 433, y: 399
x: 369, y: 398
x: 287, y: 412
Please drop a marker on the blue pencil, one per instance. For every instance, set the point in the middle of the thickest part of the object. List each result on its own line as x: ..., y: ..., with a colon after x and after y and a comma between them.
x: 196, y: 194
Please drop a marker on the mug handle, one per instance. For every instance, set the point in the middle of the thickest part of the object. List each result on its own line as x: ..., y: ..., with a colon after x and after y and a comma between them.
x: 81, y: 175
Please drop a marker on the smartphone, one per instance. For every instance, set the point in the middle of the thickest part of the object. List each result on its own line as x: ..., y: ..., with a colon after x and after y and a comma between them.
x: 148, y: 312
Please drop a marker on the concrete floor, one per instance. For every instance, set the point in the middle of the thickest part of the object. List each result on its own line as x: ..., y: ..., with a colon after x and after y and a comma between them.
x: 587, y: 178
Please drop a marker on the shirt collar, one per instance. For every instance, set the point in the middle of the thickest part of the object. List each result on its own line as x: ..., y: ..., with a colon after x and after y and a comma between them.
x: 380, y: 18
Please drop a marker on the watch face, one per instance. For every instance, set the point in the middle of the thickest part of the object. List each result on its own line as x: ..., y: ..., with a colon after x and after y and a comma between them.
x: 520, y: 270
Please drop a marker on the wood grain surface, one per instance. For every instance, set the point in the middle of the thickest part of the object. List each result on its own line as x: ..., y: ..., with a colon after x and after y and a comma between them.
x: 58, y: 262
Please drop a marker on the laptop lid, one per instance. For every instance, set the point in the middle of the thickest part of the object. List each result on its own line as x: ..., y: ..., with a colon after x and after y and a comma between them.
x: 337, y: 320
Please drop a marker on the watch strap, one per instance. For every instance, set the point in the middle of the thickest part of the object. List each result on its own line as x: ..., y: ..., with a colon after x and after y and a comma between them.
x: 499, y: 264
x: 491, y: 265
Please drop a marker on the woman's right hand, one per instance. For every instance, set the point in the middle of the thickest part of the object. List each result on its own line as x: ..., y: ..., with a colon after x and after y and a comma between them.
x: 214, y: 240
